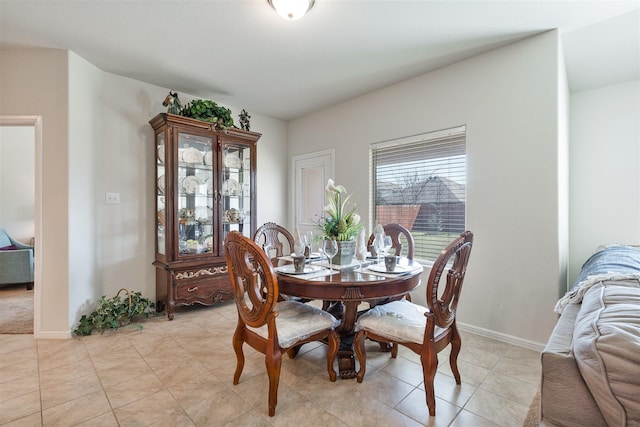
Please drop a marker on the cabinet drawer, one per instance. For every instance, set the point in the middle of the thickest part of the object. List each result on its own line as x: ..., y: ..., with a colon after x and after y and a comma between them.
x: 204, y: 292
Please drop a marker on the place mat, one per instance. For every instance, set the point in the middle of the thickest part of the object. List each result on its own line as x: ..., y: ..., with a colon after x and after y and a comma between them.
x: 314, y: 257
x: 354, y: 265
x: 415, y: 270
x: 320, y: 273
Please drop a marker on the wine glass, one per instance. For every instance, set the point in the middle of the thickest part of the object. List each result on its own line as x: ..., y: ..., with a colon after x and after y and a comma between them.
x: 387, y: 245
x: 308, y: 243
x: 330, y: 247
x: 378, y: 245
x: 361, y: 255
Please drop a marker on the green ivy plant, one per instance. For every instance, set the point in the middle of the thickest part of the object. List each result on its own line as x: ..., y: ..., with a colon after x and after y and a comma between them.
x: 113, y: 313
x: 208, y: 111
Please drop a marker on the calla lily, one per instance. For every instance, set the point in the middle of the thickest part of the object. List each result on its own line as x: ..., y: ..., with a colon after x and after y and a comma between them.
x: 356, y: 219
x: 333, y: 188
x: 336, y: 224
x: 330, y: 210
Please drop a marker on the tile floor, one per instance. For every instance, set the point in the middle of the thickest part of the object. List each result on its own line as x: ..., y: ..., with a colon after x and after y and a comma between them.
x: 179, y: 373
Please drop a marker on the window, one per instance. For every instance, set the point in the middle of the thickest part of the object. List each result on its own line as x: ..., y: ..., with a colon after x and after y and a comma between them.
x: 420, y: 182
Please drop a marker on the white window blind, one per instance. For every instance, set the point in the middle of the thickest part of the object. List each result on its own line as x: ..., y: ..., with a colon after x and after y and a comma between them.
x: 420, y: 182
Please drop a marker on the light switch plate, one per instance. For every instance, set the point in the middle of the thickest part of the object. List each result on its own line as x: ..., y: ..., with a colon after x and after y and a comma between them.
x: 112, y: 198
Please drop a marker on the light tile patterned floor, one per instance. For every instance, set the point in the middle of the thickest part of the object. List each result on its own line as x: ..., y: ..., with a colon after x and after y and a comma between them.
x: 179, y: 373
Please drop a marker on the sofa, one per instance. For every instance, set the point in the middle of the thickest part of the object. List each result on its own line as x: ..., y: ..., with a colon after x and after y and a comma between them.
x: 16, y: 261
x: 591, y: 362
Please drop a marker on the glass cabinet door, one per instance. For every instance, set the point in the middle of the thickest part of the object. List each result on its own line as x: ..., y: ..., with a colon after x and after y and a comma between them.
x: 236, y: 189
x: 160, y: 194
x: 195, y: 195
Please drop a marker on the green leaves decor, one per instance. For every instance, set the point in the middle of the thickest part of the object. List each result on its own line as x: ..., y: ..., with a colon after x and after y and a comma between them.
x: 208, y: 111
x: 113, y: 313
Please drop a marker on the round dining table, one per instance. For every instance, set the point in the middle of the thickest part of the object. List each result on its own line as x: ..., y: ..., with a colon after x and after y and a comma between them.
x: 347, y: 288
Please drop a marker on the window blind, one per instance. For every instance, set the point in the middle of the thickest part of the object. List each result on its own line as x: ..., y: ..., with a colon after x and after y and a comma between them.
x: 420, y: 182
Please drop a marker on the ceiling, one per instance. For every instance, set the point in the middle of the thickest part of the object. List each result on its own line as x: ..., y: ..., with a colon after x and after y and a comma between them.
x: 241, y: 53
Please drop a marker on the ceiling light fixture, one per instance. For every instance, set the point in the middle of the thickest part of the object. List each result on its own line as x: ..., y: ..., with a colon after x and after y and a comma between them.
x: 291, y: 9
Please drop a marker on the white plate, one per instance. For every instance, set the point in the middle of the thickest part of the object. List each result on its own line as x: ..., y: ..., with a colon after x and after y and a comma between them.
x: 191, y: 155
x: 203, y: 214
x: 161, y: 153
x: 191, y: 184
x: 207, y: 241
x: 231, y: 187
x: 231, y: 160
x: 380, y: 268
x: 208, y: 158
x: 161, y: 184
x: 290, y: 269
x: 314, y: 255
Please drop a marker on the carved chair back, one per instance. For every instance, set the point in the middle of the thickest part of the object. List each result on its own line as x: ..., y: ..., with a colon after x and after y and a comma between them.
x: 274, y: 239
x: 401, y: 238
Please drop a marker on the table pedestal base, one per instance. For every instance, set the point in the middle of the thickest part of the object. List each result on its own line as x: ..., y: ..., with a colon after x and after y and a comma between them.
x: 346, y: 364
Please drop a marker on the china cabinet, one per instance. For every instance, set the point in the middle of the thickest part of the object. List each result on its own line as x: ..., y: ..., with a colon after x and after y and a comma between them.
x: 205, y: 187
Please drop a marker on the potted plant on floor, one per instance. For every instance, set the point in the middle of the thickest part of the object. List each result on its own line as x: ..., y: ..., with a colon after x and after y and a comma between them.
x: 113, y: 313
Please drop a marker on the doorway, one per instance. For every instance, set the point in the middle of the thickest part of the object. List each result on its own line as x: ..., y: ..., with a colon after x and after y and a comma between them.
x: 22, y: 167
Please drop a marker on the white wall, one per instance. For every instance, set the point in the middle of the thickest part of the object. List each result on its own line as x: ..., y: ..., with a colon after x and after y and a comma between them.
x: 86, y: 139
x: 508, y: 99
x: 17, y: 181
x: 27, y: 90
x: 90, y: 248
x: 605, y: 170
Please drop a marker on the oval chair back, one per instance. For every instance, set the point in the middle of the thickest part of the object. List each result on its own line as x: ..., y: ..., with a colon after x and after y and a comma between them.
x: 267, y: 325
x: 424, y: 330
x: 272, y: 238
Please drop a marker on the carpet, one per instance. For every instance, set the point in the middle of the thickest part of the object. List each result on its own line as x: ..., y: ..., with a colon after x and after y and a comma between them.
x: 533, y: 416
x: 16, y: 310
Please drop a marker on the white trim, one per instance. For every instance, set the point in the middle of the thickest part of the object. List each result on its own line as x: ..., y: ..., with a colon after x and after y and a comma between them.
x: 498, y: 336
x: 54, y: 335
x: 436, y: 134
x: 36, y: 122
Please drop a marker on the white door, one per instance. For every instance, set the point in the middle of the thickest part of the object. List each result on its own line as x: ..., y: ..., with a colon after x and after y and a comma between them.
x: 310, y: 175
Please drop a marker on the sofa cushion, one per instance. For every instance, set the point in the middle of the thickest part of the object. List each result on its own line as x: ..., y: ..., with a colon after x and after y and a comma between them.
x: 4, y: 239
x: 565, y: 399
x: 607, y: 349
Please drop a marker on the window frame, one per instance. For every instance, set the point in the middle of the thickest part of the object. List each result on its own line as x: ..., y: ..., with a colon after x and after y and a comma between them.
x: 434, y: 147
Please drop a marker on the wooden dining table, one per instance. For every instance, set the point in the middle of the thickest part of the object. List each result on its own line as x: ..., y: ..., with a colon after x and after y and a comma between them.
x: 349, y: 287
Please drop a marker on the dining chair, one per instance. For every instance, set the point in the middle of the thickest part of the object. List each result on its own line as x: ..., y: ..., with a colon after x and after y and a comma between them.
x: 267, y: 325
x: 424, y: 330
x: 274, y: 239
x: 402, y: 243
x: 401, y: 238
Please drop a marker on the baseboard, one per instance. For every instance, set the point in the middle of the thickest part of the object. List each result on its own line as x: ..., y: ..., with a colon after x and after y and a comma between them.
x: 498, y: 336
x: 52, y: 335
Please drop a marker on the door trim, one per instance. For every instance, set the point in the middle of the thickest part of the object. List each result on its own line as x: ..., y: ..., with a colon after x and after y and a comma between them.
x: 36, y: 122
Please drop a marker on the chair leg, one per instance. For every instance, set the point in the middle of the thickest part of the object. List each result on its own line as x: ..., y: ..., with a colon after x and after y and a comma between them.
x: 456, y: 344
x: 361, y: 353
x: 332, y: 351
x: 429, y: 359
x: 394, y: 350
x: 273, y: 361
x: 237, y: 347
x: 293, y: 351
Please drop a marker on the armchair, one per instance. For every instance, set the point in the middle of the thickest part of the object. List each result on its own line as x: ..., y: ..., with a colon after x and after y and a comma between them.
x: 16, y: 261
